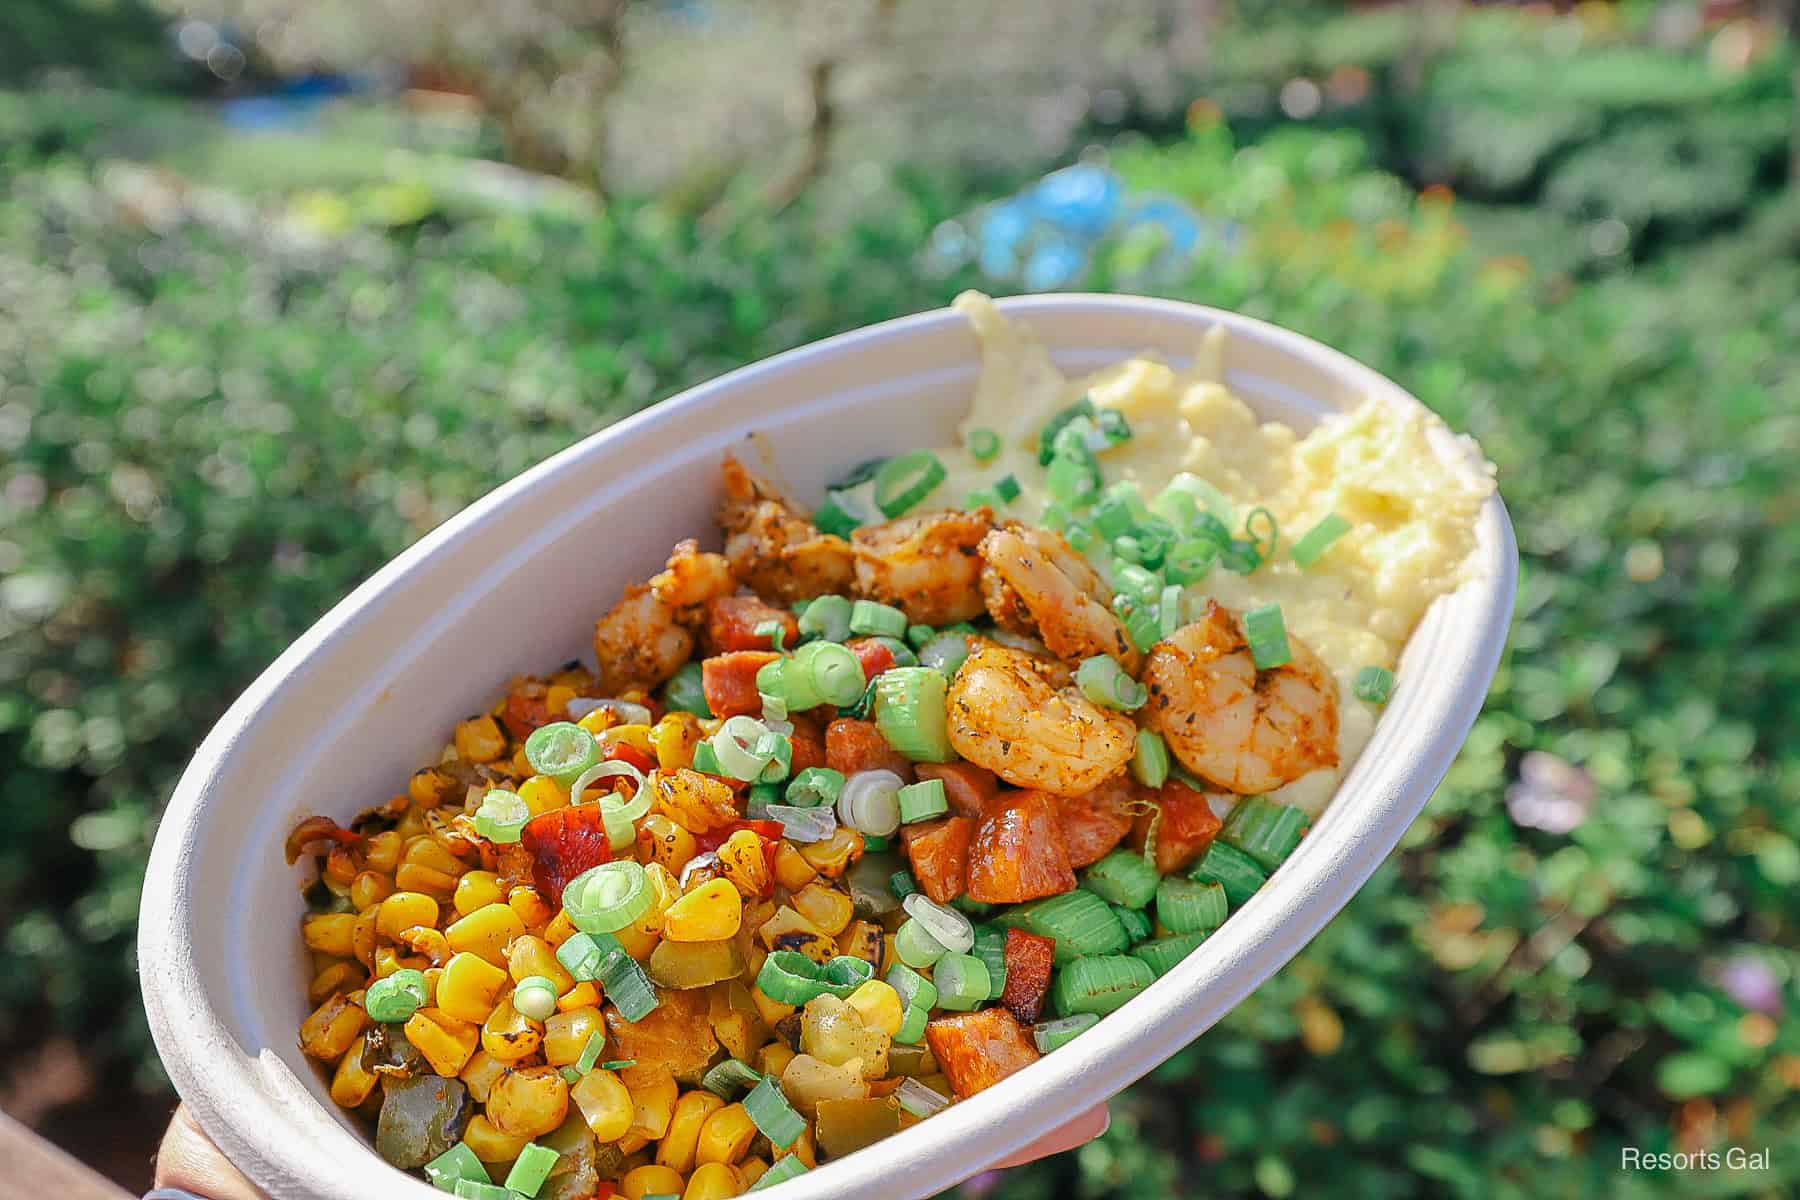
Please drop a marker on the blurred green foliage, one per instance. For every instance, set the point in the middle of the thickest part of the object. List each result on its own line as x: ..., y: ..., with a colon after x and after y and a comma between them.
x: 218, y: 414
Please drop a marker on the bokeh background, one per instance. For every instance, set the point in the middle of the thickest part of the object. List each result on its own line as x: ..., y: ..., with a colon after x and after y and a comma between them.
x: 284, y: 283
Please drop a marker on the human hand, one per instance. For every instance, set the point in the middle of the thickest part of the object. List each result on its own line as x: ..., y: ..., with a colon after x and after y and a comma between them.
x: 1082, y: 1130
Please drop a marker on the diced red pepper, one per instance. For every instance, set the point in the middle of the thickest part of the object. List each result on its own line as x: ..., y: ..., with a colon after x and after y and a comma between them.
x: 977, y: 1050
x: 967, y: 787
x: 768, y: 832
x: 852, y: 746
x: 606, y: 1190
x: 731, y: 623
x: 526, y: 709
x: 874, y: 656
x: 1095, y: 822
x: 1028, y: 961
x: 1184, y: 831
x: 563, y: 843
x: 620, y: 752
x: 729, y: 681
x: 939, y: 853
x: 1018, y: 852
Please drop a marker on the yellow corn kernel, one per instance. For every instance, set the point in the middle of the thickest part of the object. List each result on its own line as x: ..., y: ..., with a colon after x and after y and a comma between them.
x: 389, y: 959
x: 530, y: 955
x: 768, y: 1009
x: 674, y: 738
x: 415, y: 878
x: 560, y: 929
x: 447, y: 1042
x: 556, y: 699
x: 489, y: 1144
x: 879, y: 1006
x: 487, y: 931
x: 637, y: 942
x: 635, y: 736
x: 751, y: 1170
x: 340, y: 975
x: 566, y: 1034
x: 402, y: 910
x: 825, y: 907
x: 710, y: 913
x: 598, y: 721
x: 528, y: 1102
x: 803, y: 1149
x: 668, y: 844
x: 676, y: 1149
x: 350, y: 1084
x: 792, y: 871
x: 725, y: 1136
x: 795, y: 932
x: 370, y: 888
x: 650, y: 1180
x: 529, y: 907
x: 605, y: 1104
x: 629, y: 1145
x: 363, y: 940
x: 832, y: 855
x: 862, y: 940
x: 427, y: 866
x: 582, y: 995
x: 509, y: 1034
x: 332, y: 1027
x: 428, y: 849
x: 428, y: 942
x: 479, y: 739
x: 655, y: 1106
x: 330, y: 933
x: 774, y: 1058
x: 712, y: 1181
x: 742, y: 861
x: 470, y: 987
x: 429, y: 787
x: 741, y: 1033
x: 341, y: 866
x: 543, y: 794
x: 477, y: 889
x: 480, y: 1074
x: 521, y: 763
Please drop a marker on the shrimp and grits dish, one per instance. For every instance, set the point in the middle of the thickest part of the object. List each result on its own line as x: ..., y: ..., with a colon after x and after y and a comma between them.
x: 882, y: 800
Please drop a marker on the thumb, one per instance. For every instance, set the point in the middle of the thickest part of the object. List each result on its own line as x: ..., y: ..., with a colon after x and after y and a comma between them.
x: 189, y: 1162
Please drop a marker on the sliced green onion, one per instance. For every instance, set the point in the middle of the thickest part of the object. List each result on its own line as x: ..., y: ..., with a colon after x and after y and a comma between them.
x: 1209, y: 497
x: 981, y: 498
x: 922, y: 801
x: 730, y: 1077
x: 902, y: 884
x: 456, y: 1163
x: 1050, y: 1035
x: 864, y: 708
x: 870, y: 802
x: 912, y: 1025
x: 903, y: 653
x: 1240, y: 556
x: 914, y: 989
x: 584, y: 955
x: 1072, y: 483
x: 1190, y: 560
x: 787, y: 682
x: 835, y: 516
x: 858, y: 475
x: 778, y: 749
x: 1162, y: 954
x: 844, y: 974
x: 826, y: 618
x: 1209, y: 528
x: 503, y: 814
x: 773, y: 1115
x: 873, y: 842
x: 962, y: 982
x: 1113, y: 426
x: 904, y: 480
x: 394, y: 998
x: 1122, y: 877
x: 789, y: 977
x: 910, y: 713
x: 561, y: 750
x: 945, y: 653
x: 966, y: 903
x: 1099, y: 984
x: 1267, y: 635
x: 1154, y: 539
x: 1176, y: 507
x: 803, y: 825
x: 474, y: 1189
x: 1263, y: 829
x: 1141, y: 585
x: 1373, y: 684
x: 1136, y: 921
x: 1317, y: 540
x: 1266, y: 541
x: 983, y: 444
x: 1079, y: 536
x: 1054, y: 516
x: 706, y: 760
x: 1230, y: 868
x: 627, y: 986
x: 1105, y: 682
x: 618, y: 1064
x: 1168, y: 609
x: 735, y: 745
x: 990, y: 948
x: 1007, y: 488
x: 1140, y: 622
x: 1080, y: 922
x: 1083, y: 407
x: 758, y: 799
x: 531, y: 1168
x: 951, y: 929
x: 775, y: 631
x: 591, y: 1052
x: 1189, y: 906
x: 1127, y: 550
x: 1150, y: 759
x: 914, y: 945
x: 815, y: 787
x: 535, y: 997
x: 787, y: 1167
x: 918, y: 635
x: 869, y: 617
x: 607, y: 898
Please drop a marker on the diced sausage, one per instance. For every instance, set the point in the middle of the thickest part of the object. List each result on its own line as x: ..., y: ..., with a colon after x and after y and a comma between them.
x: 1095, y: 822
x: 1028, y: 960
x: 977, y: 1050
x: 809, y: 742
x: 731, y: 623
x: 967, y: 787
x: 1018, y: 852
x: 729, y: 681
x: 939, y: 853
x: 1185, y: 829
x: 852, y: 746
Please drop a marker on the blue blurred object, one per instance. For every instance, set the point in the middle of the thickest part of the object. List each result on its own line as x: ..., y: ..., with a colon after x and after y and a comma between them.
x: 1082, y: 199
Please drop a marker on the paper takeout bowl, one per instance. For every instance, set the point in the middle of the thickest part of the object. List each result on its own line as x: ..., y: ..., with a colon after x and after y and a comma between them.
x: 513, y: 584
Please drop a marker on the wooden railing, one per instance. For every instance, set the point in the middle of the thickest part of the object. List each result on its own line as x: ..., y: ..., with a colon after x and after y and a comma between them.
x: 33, y: 1169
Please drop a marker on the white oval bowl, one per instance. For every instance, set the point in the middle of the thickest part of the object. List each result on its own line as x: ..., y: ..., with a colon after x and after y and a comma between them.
x: 513, y: 583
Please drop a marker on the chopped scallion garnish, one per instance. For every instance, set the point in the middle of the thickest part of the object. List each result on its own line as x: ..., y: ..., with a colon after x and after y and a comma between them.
x: 1103, y: 681
x: 502, y: 814
x: 1267, y: 634
x: 1150, y: 759
x: 869, y: 617
x: 903, y: 481
x: 983, y: 444
x: 775, y: 631
x: 1317, y: 540
x: 1374, y: 684
x: 826, y: 618
x: 1083, y: 407
x: 771, y: 1113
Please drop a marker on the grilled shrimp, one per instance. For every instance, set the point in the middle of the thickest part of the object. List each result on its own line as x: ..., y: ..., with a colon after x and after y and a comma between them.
x: 1008, y: 714
x: 691, y: 579
x: 1036, y: 584
x: 929, y: 565
x: 639, y: 642
x: 778, y: 555
x: 1244, y: 729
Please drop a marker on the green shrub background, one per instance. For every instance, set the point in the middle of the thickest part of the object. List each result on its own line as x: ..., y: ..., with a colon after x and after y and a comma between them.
x: 220, y: 410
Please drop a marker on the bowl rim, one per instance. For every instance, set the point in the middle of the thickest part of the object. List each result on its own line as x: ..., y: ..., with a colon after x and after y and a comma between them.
x: 246, y: 1120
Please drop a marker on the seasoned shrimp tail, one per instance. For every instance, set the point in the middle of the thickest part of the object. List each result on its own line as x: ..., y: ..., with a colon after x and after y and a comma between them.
x: 928, y: 565
x: 1035, y: 584
x: 772, y: 550
x: 1007, y: 713
x: 639, y: 642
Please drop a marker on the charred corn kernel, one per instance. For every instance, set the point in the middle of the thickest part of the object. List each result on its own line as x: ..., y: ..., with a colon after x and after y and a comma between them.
x: 863, y: 939
x: 556, y: 700
x: 332, y: 1027
x: 598, y: 721
x: 795, y: 932
x: 330, y: 933
x: 604, y: 1104
x: 635, y: 736
x: 487, y: 931
x: 832, y: 855
x: 429, y: 787
x: 559, y: 930
x: 426, y: 866
x: 350, y: 1083
x: 712, y: 1181
x: 338, y: 976
x: 665, y: 842
x: 751, y: 1170
x: 370, y: 888
x: 768, y: 1009
x: 741, y: 1033
x: 481, y: 1072
x: 651, y: 1180
x: 447, y: 1042
x: 479, y: 739
x: 543, y: 794
x: 528, y: 1103
x: 430, y: 943
x: 676, y: 1149
x: 792, y: 871
x: 879, y: 1006
x: 774, y: 1058
x: 674, y: 740
x: 654, y: 1105
x: 402, y: 910
x: 530, y: 955
x: 566, y: 1034
x: 508, y: 1034
x: 363, y: 940
x: 388, y: 959
x: 476, y: 889
x: 381, y: 851
x: 825, y: 907
x: 470, y: 987
x: 428, y: 850
x: 636, y: 942
x: 489, y: 1144
x: 725, y: 1136
x: 742, y: 861
x: 341, y: 866
x: 582, y: 995
x: 412, y: 823
x: 529, y: 907
x: 710, y: 913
